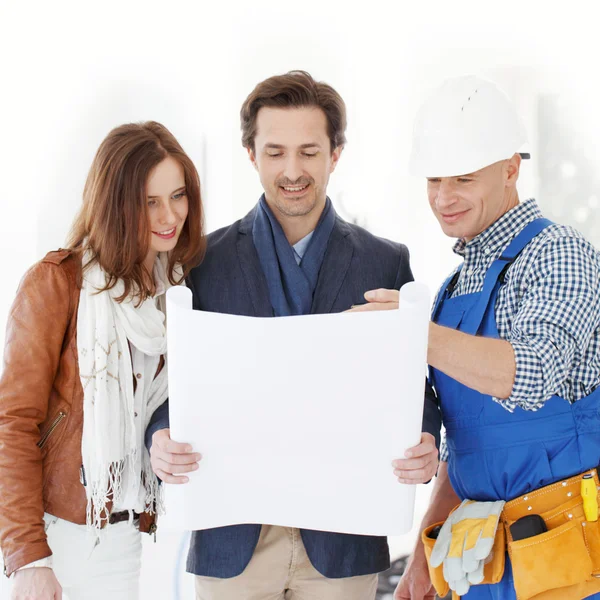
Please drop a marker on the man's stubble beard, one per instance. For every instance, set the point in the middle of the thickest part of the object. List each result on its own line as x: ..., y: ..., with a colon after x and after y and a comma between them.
x: 295, y: 210
x: 298, y: 210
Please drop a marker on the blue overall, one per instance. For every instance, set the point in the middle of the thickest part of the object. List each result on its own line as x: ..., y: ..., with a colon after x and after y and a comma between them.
x: 495, y: 454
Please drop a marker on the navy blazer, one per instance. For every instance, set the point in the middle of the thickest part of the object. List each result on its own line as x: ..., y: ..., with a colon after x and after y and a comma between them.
x: 231, y: 280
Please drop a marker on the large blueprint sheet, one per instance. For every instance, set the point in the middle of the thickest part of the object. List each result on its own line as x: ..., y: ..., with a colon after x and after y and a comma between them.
x: 297, y: 418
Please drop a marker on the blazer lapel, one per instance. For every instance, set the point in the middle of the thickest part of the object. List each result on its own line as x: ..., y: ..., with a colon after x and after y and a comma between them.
x: 256, y: 282
x: 335, y: 266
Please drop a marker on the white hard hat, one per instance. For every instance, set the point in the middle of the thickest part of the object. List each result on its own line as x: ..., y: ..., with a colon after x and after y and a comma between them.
x: 466, y: 124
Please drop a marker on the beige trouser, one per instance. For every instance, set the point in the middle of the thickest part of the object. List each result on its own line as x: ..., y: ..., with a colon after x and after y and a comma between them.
x: 281, y: 570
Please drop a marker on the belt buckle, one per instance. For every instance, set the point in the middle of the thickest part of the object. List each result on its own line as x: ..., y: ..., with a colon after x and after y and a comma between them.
x: 117, y: 517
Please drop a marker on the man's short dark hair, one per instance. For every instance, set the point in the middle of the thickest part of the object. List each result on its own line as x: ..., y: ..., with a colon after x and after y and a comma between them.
x: 296, y: 89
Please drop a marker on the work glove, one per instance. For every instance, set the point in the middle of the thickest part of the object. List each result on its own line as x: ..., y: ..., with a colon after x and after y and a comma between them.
x: 465, y: 542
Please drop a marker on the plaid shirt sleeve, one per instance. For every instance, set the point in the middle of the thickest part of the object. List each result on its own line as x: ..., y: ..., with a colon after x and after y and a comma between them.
x: 555, y: 319
x: 444, y: 454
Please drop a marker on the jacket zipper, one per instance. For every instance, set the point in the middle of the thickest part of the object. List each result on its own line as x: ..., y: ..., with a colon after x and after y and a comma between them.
x: 61, y: 415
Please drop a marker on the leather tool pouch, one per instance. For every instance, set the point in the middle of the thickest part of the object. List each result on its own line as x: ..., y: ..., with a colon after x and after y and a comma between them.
x: 436, y: 573
x: 563, y: 562
x: 493, y: 570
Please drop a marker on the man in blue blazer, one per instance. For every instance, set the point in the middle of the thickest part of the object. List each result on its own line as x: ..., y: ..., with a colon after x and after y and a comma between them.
x: 291, y: 255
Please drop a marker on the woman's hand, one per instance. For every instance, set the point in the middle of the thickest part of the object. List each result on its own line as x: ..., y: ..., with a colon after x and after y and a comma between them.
x: 36, y: 583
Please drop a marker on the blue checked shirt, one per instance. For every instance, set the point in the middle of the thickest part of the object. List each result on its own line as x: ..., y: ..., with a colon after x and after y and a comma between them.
x: 548, y: 308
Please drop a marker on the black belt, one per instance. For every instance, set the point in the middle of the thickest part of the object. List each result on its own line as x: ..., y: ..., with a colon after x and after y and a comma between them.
x: 118, y: 517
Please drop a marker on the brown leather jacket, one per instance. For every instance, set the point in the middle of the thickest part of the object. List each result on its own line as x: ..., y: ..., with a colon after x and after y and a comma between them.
x: 41, y: 412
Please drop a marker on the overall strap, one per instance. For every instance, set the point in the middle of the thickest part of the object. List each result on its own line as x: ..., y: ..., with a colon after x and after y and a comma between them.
x: 495, y: 274
x: 445, y: 291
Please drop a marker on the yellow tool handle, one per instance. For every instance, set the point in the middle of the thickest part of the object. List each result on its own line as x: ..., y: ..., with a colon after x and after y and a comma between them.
x: 589, y: 494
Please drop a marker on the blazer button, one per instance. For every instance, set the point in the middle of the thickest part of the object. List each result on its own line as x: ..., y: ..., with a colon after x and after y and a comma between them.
x: 139, y: 375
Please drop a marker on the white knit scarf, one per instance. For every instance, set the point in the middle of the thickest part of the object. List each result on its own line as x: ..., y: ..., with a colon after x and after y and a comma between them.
x: 109, y: 446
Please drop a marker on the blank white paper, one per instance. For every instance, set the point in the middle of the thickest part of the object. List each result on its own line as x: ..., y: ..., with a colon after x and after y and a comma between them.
x: 297, y: 418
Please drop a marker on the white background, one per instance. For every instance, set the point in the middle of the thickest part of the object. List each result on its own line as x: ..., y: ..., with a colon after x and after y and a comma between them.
x: 70, y: 71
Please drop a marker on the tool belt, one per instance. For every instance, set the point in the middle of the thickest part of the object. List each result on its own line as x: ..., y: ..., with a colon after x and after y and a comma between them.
x: 562, y: 563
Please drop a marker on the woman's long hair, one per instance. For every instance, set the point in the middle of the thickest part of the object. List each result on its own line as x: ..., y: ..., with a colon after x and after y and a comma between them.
x: 113, y: 223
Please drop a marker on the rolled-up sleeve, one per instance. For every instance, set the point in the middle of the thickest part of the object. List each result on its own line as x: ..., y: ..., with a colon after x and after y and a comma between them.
x: 556, y: 316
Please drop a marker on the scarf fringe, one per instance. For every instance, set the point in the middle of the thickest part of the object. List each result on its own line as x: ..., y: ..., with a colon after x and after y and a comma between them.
x: 102, y: 492
x: 155, y: 497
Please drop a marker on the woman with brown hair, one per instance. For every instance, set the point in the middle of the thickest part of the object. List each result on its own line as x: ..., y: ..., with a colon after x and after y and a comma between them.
x: 84, y: 369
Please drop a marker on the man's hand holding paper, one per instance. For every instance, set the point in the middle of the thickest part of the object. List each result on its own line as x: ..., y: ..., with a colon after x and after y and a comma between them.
x: 171, y: 460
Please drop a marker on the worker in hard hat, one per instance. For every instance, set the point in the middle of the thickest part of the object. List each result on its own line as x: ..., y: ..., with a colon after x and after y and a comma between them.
x: 514, y: 355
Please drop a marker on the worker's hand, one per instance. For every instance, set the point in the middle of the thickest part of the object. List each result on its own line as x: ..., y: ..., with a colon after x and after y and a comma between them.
x: 415, y: 583
x: 36, y: 583
x: 420, y: 464
x: 380, y: 299
x: 170, y: 459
